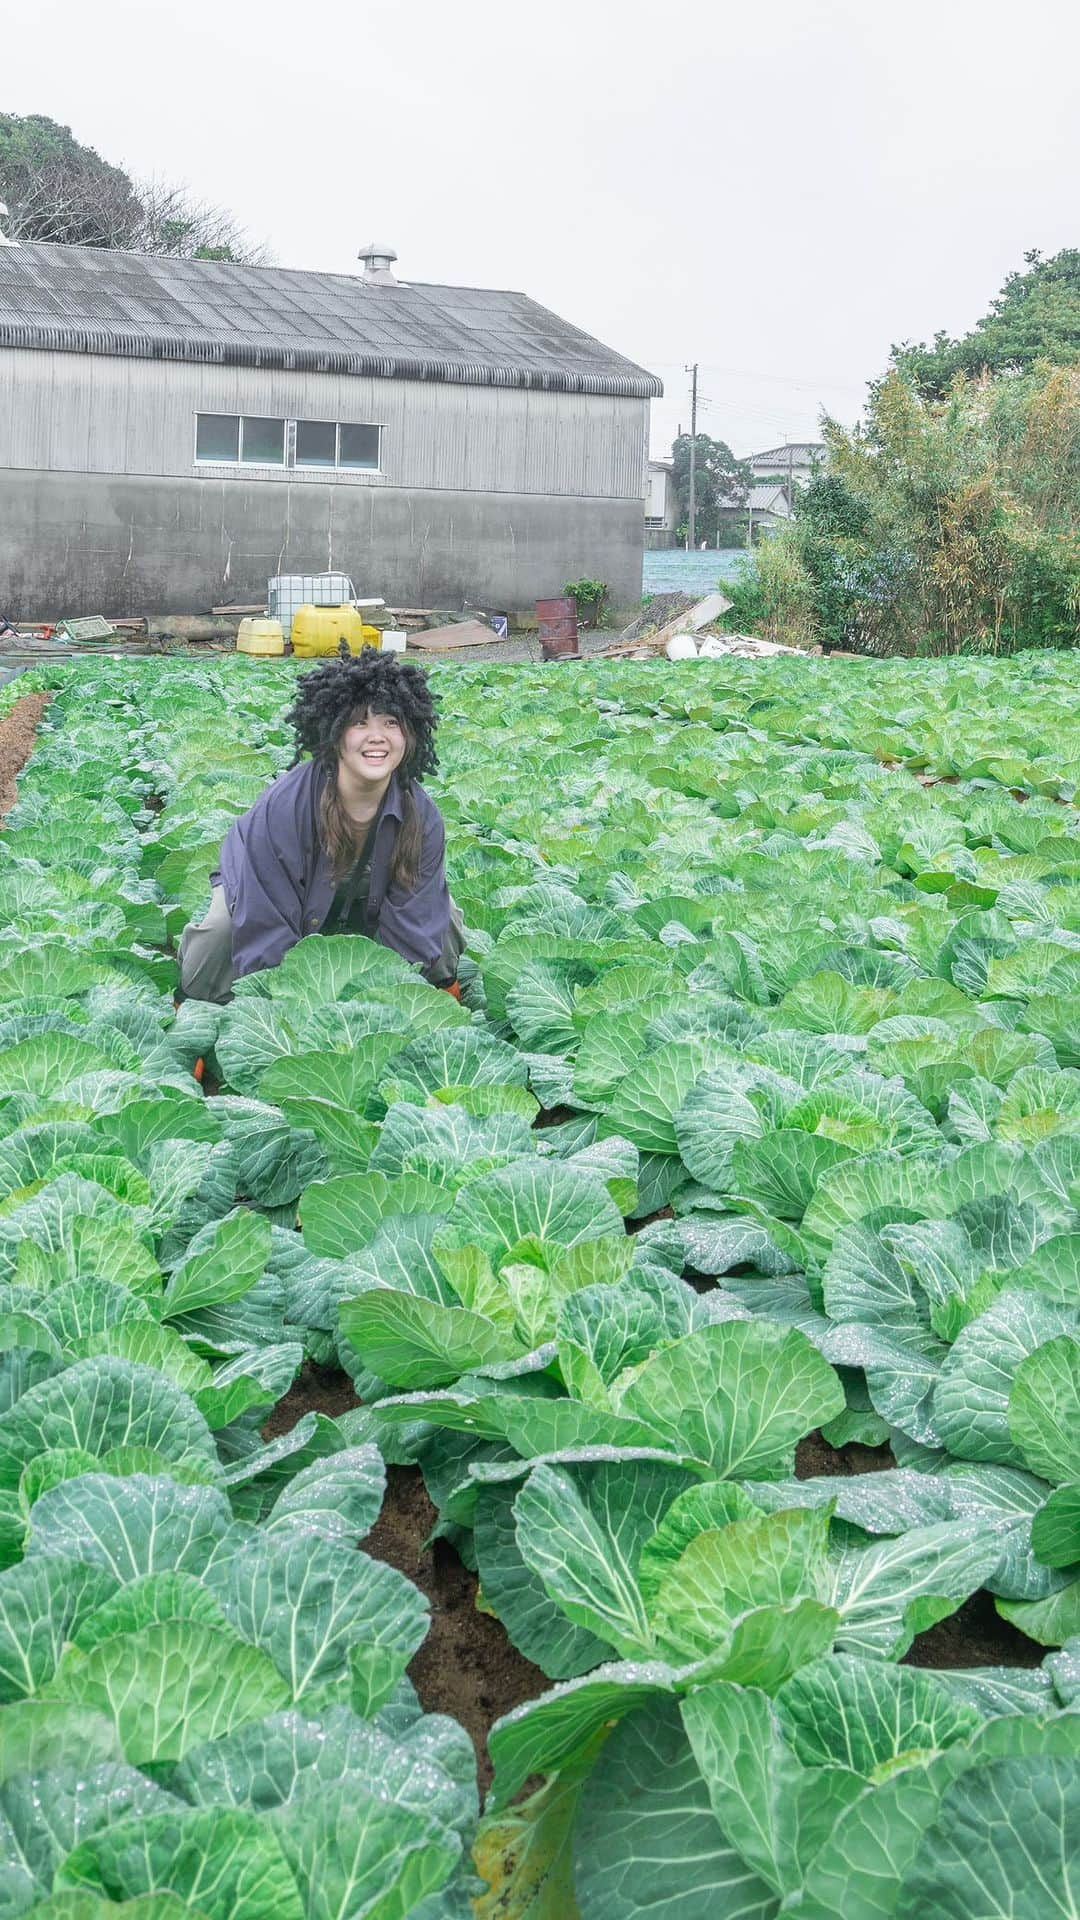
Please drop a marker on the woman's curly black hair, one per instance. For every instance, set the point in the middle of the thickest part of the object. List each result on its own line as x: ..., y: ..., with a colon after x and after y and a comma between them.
x: 331, y: 698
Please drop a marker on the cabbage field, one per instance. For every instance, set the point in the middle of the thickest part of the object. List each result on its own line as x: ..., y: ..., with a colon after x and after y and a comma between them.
x: 716, y: 1262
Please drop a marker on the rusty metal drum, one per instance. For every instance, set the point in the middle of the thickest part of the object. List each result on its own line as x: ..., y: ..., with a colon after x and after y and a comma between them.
x: 558, y: 628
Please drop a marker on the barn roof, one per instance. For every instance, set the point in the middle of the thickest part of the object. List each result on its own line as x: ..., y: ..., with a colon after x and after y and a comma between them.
x: 138, y: 306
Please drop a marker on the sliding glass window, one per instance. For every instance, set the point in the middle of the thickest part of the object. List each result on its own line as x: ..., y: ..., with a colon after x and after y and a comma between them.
x: 262, y: 442
x: 255, y: 440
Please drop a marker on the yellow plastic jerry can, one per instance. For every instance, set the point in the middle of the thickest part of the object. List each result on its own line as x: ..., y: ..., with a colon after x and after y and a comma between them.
x: 260, y: 636
x: 320, y: 630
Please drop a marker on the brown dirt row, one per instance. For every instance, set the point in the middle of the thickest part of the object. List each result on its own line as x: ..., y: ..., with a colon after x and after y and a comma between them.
x: 18, y: 730
x: 974, y: 1636
x: 315, y: 1390
x: 467, y: 1666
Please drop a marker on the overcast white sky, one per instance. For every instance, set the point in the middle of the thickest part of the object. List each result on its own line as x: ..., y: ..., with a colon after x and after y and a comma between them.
x: 779, y: 191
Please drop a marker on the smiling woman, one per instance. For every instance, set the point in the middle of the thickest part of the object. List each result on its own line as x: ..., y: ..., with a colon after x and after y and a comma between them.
x: 346, y: 842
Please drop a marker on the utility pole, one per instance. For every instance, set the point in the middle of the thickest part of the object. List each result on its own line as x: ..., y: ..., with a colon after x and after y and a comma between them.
x: 690, y: 537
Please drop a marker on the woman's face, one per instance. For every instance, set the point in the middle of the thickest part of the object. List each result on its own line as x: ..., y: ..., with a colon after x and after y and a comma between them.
x: 372, y: 746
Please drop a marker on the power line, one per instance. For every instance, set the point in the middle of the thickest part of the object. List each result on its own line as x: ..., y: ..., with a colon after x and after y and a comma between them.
x: 809, y: 382
x: 737, y: 405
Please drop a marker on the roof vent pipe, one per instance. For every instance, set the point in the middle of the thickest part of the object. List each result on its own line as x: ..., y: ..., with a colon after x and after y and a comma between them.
x: 377, y: 265
x: 4, y: 241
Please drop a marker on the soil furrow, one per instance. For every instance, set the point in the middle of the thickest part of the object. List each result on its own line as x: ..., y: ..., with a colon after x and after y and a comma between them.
x: 467, y: 1666
x: 18, y: 731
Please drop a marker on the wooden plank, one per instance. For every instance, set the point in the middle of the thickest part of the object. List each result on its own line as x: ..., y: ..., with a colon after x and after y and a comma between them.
x: 464, y: 633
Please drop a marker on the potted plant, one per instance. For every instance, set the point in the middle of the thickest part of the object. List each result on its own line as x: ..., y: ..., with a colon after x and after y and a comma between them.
x: 591, y: 597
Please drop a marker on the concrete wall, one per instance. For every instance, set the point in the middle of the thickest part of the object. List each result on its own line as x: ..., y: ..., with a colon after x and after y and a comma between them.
x: 75, y: 543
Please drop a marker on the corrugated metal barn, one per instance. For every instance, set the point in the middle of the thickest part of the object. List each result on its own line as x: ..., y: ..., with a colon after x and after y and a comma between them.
x: 173, y: 432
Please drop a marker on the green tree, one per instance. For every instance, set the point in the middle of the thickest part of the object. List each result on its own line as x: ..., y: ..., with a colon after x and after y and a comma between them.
x: 719, y: 481
x: 1036, y: 316
x: 58, y: 190
x: 944, y: 526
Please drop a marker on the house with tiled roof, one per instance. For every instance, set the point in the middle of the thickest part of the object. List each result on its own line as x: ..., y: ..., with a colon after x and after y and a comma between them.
x: 796, y: 462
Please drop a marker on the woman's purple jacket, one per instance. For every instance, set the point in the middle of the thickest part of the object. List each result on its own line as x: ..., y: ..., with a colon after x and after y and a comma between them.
x: 279, y: 883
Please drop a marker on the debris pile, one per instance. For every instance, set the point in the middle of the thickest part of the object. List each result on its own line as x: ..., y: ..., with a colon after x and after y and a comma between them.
x: 663, y: 609
x: 673, y: 624
x: 724, y: 646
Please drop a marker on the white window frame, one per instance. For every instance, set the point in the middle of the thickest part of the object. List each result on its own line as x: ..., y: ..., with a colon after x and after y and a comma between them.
x: 288, y: 463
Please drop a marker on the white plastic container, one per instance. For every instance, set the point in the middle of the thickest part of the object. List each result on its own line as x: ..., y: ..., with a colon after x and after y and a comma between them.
x: 260, y: 636
x: 393, y: 640
x: 682, y: 646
